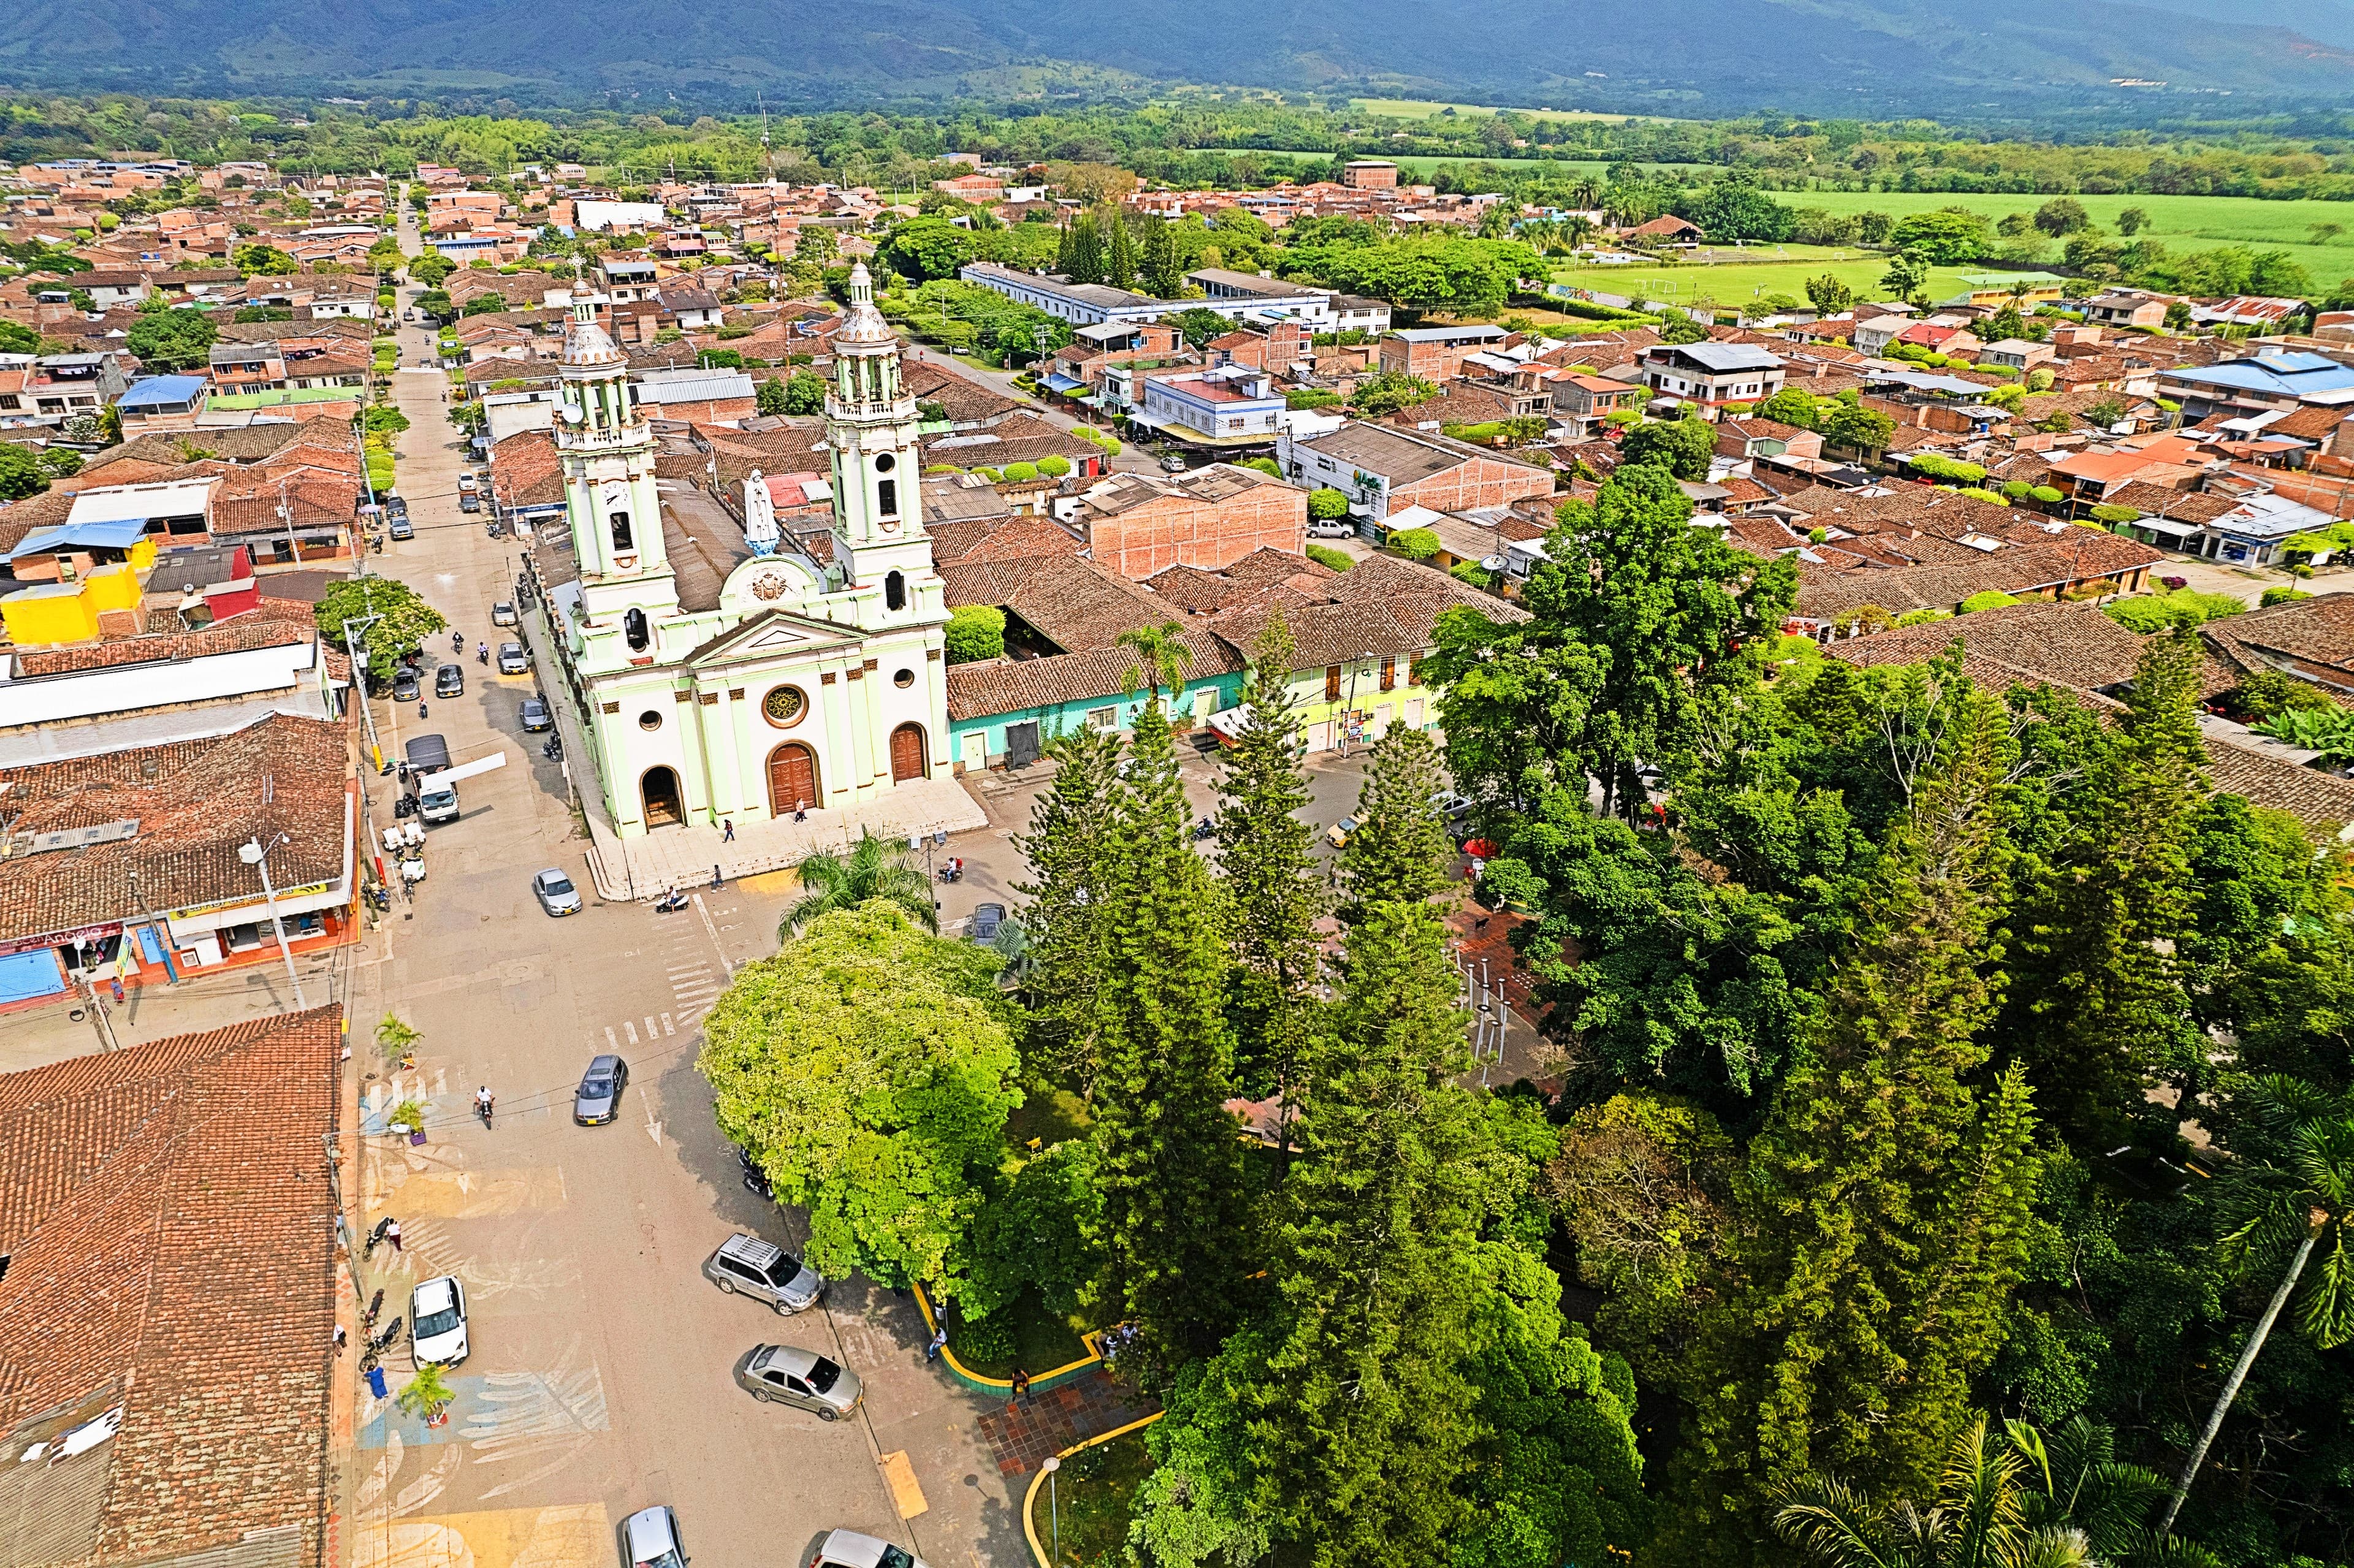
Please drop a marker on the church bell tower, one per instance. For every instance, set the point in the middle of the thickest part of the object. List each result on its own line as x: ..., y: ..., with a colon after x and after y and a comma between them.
x: 870, y: 427
x: 606, y: 451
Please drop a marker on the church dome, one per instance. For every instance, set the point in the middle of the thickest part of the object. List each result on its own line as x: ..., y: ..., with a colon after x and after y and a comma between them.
x: 865, y: 327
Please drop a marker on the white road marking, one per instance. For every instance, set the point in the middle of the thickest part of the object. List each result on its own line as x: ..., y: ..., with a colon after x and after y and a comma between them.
x: 611, y: 1039
x: 667, y: 1029
x: 651, y: 1033
x: 632, y: 1030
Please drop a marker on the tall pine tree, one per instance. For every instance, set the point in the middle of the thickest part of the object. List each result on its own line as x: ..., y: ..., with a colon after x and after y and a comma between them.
x: 1068, y: 847
x: 1120, y: 252
x: 1267, y: 863
x: 1169, y: 1153
x: 1400, y: 852
x: 1879, y: 1221
x: 1161, y: 273
x: 2098, y: 1006
x: 1085, y: 264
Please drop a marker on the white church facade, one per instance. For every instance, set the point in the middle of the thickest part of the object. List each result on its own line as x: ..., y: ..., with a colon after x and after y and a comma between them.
x: 720, y: 672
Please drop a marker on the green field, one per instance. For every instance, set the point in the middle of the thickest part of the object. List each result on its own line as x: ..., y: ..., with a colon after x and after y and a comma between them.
x: 1412, y: 164
x: 2182, y: 222
x: 1425, y: 109
x: 1781, y: 270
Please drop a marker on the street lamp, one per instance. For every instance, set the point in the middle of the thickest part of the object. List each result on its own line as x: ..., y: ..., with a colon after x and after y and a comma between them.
x: 1053, y: 1509
x: 255, y: 853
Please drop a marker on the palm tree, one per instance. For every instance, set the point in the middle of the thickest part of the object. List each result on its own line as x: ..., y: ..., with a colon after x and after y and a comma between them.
x: 1981, y: 1516
x: 1162, y: 658
x: 2289, y: 1200
x: 397, y: 1039
x: 427, y: 1394
x: 874, y: 868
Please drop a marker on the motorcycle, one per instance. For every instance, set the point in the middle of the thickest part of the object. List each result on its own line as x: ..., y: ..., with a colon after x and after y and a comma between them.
x: 483, y: 653
x: 553, y: 750
x: 403, y: 805
x: 671, y: 902
x: 1203, y: 829
x: 377, y: 1344
x: 375, y: 1237
x: 457, y: 642
x: 484, y: 1108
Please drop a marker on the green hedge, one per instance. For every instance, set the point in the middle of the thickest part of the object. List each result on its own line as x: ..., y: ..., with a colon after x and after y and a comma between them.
x: 1326, y: 556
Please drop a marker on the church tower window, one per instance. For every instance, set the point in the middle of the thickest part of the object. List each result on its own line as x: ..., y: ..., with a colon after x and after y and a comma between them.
x: 622, y: 535
x: 634, y: 628
x: 886, y: 497
x: 894, y: 588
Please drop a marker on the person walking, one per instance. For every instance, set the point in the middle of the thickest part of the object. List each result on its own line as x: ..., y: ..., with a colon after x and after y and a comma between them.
x: 800, y: 811
x: 340, y: 1336
x: 392, y: 1233
x: 1021, y: 1386
x: 728, y: 829
x: 939, y: 1343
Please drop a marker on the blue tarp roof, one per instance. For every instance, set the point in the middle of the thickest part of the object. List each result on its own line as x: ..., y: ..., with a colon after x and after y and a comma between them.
x: 80, y: 535
x: 161, y: 389
x: 1063, y: 383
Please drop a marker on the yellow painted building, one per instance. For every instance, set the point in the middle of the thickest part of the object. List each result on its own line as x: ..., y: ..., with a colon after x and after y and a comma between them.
x: 71, y: 612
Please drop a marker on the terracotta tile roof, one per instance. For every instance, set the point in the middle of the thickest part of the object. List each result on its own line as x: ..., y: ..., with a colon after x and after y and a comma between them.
x: 2318, y: 630
x: 2072, y: 645
x: 275, y: 623
x: 1012, y: 686
x: 2320, y: 800
x: 170, y: 1228
x: 1076, y: 604
x: 195, y: 801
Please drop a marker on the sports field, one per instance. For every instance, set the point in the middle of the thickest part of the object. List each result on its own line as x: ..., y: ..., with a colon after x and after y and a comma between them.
x: 1778, y: 270
x: 2182, y: 222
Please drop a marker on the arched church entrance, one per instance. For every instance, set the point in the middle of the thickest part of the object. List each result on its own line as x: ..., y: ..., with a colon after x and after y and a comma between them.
x: 792, y: 780
x: 658, y: 790
x: 910, y: 758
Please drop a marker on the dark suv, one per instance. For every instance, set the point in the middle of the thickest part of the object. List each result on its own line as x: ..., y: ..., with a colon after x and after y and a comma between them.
x: 450, y: 681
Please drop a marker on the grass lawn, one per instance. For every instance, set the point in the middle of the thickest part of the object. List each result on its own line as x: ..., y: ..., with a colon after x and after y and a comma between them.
x: 2182, y: 222
x: 1042, y: 1341
x: 1084, y: 1516
x: 1777, y: 271
x: 1424, y: 109
x: 1048, y: 1116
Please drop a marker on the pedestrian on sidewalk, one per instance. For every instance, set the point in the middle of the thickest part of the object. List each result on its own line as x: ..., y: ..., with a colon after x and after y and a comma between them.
x: 939, y: 1343
x: 728, y: 829
x: 340, y: 1336
x: 800, y: 811
x: 392, y: 1233
x: 1020, y: 1387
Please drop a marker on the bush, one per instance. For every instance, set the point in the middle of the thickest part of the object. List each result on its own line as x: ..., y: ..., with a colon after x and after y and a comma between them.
x: 1939, y: 467
x: 2016, y: 490
x: 2046, y: 494
x: 975, y: 631
x: 1415, y: 543
x: 1975, y: 493
x: 2184, y: 607
x: 1338, y: 560
x: 989, y: 1339
x: 1264, y: 465
x: 1328, y: 504
x: 1992, y: 599
x: 2113, y: 515
x: 1306, y: 398
x: 1472, y: 572
x: 1053, y: 465
x: 2281, y: 595
x: 1020, y: 472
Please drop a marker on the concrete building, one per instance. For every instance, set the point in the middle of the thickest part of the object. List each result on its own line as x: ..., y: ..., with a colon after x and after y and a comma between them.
x: 1385, y: 469
x: 1712, y: 374
x: 1370, y: 175
x: 1435, y: 354
x: 1140, y: 524
x: 1234, y: 407
x: 718, y: 669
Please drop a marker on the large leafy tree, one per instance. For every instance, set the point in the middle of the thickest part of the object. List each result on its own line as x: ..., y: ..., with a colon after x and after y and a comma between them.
x: 868, y: 1069
x: 1168, y: 1151
x: 1881, y: 1214
x: 1267, y: 866
x: 1638, y: 624
x: 172, y: 339
x: 387, y: 619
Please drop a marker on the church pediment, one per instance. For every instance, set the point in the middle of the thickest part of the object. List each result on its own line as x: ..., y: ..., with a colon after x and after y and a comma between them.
x: 775, y: 634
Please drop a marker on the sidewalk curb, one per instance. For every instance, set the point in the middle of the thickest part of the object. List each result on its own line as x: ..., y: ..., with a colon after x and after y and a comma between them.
x: 1030, y: 1498
x: 1070, y: 1372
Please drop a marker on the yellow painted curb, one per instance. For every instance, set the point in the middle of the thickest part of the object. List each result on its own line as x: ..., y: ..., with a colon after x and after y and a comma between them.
x: 1030, y: 1498
x: 971, y: 1379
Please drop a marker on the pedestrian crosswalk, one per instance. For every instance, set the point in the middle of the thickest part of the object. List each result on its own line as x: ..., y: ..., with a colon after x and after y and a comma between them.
x: 695, y: 976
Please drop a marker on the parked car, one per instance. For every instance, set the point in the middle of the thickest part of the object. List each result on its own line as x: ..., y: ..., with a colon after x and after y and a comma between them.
x: 400, y: 527
x: 1173, y: 463
x: 394, y: 506
x: 503, y: 613
x: 450, y: 681
x: 781, y: 1374
x: 1340, y: 831
x: 467, y: 481
x: 437, y: 1322
x: 649, y: 1538
x: 848, y: 1549
x: 535, y: 715
x: 407, y: 685
x: 598, y: 1098
x: 511, y: 659
x: 747, y: 1265
x: 557, y: 895
x: 469, y: 502
x: 986, y: 919
x: 1451, y: 806
x: 1330, y: 527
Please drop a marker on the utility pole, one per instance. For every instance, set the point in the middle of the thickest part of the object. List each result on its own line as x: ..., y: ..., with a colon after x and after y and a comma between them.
x: 163, y: 932
x: 255, y: 855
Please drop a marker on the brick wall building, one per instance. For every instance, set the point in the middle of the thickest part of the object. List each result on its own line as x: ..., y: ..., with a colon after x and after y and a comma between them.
x: 1435, y: 354
x: 1138, y: 525
x: 1383, y: 470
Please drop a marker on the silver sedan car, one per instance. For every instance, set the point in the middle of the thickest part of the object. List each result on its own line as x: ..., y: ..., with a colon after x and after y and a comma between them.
x: 781, y: 1374
x: 556, y: 892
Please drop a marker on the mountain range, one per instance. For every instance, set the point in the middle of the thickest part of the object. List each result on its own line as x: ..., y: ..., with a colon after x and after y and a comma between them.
x: 1866, y: 57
